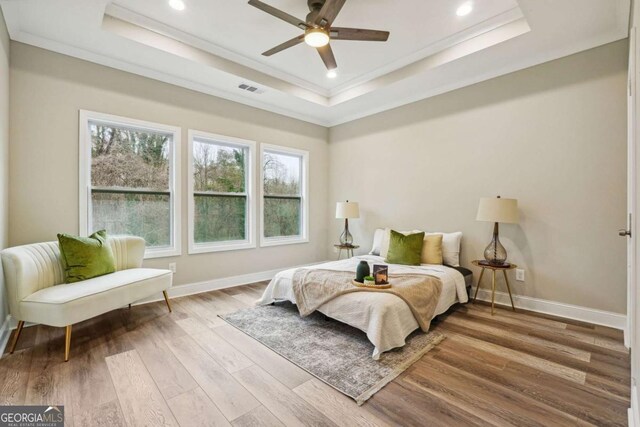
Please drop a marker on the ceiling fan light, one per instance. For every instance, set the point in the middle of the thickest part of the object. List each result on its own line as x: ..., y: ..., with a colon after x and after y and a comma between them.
x: 332, y: 74
x: 316, y: 37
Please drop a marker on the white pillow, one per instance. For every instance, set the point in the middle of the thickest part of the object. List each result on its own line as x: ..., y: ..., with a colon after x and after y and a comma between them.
x: 450, y: 248
x: 378, y: 235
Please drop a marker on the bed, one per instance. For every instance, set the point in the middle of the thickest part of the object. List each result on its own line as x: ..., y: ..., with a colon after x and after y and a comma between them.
x: 385, y: 318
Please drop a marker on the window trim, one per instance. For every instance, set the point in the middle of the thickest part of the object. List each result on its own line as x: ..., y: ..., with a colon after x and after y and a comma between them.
x: 304, y: 194
x: 231, y: 245
x: 84, y: 193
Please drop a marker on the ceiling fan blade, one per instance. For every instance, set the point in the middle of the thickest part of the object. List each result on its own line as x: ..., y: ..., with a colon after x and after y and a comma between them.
x: 286, y: 45
x: 327, y: 57
x: 329, y: 11
x: 279, y: 14
x: 338, y: 33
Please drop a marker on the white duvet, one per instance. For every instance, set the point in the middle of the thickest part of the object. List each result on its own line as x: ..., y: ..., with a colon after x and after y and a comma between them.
x: 385, y: 318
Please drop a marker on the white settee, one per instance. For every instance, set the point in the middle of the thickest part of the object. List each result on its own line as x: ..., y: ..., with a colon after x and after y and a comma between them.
x: 34, y: 278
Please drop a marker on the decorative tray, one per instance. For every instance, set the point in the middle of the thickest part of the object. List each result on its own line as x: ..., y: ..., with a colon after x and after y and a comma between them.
x: 362, y: 285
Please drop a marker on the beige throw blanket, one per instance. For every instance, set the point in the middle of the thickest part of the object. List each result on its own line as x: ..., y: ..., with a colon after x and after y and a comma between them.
x: 312, y: 288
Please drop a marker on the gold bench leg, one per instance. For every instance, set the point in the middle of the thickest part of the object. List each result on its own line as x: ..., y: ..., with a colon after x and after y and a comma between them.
x: 16, y: 335
x: 166, y: 299
x: 67, y: 343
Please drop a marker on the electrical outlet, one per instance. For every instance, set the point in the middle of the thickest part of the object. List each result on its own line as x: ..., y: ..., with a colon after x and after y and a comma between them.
x: 172, y: 267
x: 519, y: 275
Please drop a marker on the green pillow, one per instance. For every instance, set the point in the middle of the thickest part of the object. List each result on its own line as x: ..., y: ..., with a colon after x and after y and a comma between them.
x: 405, y: 249
x: 86, y: 257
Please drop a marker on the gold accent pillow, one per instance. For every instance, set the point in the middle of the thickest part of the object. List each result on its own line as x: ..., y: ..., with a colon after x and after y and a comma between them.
x: 432, y: 249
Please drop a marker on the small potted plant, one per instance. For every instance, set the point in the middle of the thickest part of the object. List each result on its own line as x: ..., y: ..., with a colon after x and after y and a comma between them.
x: 369, y: 280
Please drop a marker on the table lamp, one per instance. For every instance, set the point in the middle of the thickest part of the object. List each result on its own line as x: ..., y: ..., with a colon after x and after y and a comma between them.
x: 496, y: 210
x: 346, y: 210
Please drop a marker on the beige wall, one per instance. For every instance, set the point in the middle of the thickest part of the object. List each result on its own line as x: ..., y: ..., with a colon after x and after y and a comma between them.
x: 552, y: 136
x: 4, y: 155
x: 48, y: 89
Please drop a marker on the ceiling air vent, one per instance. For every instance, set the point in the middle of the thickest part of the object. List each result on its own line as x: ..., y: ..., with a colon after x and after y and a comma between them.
x: 249, y: 88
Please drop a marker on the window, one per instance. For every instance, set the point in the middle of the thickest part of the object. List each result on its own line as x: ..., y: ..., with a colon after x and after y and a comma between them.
x: 129, y: 180
x: 284, y: 195
x: 221, y: 205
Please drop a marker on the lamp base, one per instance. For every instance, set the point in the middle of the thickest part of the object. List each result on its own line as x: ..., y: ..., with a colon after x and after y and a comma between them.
x: 346, y: 239
x: 495, y: 254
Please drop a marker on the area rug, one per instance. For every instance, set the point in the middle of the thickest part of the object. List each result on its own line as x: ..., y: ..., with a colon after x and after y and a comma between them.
x: 334, y: 352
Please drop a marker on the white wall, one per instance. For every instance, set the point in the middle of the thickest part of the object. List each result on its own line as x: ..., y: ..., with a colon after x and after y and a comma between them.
x: 552, y: 136
x: 48, y: 89
x: 4, y: 156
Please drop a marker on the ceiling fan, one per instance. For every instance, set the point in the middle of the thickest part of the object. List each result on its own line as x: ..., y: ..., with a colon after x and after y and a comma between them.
x: 318, y: 31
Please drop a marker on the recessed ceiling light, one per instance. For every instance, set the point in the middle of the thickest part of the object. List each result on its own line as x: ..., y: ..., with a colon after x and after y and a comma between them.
x: 464, y: 9
x: 176, y: 4
x: 332, y: 74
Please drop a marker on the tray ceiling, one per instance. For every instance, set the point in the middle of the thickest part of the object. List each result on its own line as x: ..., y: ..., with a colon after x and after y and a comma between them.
x: 215, y: 45
x: 247, y: 31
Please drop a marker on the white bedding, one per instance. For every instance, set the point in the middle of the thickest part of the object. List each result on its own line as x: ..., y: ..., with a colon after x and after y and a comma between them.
x: 385, y: 318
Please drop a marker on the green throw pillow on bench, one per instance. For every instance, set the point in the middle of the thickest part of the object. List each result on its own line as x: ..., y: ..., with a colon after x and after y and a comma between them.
x: 405, y: 249
x: 86, y: 257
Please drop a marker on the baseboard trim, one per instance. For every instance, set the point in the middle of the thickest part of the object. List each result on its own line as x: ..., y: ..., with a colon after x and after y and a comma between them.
x: 5, y: 333
x: 569, y: 311
x: 634, y: 414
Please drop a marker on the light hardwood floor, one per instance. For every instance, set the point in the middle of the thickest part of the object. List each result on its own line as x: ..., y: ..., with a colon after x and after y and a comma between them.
x: 144, y: 366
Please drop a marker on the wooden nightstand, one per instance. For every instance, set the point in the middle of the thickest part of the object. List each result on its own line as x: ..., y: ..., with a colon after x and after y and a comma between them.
x: 348, y: 248
x: 494, y: 268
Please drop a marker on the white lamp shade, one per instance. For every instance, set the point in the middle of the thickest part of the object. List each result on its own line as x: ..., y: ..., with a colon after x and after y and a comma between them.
x: 347, y: 210
x: 495, y: 209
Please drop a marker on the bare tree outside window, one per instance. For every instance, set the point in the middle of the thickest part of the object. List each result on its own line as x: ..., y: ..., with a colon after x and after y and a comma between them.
x: 220, y: 196
x: 130, y: 181
x: 132, y: 187
x: 282, y: 194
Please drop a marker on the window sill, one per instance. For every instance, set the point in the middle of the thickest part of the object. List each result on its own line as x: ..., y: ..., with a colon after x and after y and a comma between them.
x: 283, y: 241
x: 161, y: 253
x: 221, y: 247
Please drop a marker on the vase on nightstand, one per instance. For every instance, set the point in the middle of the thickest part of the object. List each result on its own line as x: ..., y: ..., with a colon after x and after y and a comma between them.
x: 362, y: 271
